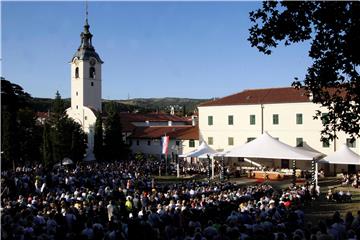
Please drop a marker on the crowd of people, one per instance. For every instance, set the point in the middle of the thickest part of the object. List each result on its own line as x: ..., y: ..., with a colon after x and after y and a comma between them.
x: 121, y: 200
x: 351, y: 179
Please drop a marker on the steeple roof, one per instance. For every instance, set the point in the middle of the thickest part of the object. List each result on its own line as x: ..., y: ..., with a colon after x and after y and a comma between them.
x: 86, y: 50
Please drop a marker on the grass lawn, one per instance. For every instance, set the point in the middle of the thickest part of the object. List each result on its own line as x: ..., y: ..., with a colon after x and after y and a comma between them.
x: 322, y: 209
x: 174, y: 179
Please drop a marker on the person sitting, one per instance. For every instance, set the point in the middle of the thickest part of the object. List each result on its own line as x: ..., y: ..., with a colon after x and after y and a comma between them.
x: 355, y: 182
x: 348, y: 196
x: 346, y: 179
x: 329, y: 195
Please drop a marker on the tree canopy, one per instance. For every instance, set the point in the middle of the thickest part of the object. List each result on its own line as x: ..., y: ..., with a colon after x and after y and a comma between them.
x: 114, y: 146
x: 20, y: 135
x: 98, y: 138
x: 62, y: 136
x: 334, y: 31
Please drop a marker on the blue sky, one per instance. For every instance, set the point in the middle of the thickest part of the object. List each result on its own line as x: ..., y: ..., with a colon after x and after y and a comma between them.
x: 150, y: 49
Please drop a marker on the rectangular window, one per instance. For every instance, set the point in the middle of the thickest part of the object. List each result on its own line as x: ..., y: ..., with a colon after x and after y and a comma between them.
x: 77, y: 107
x: 252, y: 119
x: 231, y: 120
x: 326, y: 144
x: 230, y: 141
x: 85, y: 117
x: 210, y: 141
x: 299, y: 118
x: 149, y: 142
x: 92, y: 84
x: 192, y: 143
x: 299, y: 142
x: 76, y: 93
x: 137, y: 142
x: 130, y: 142
x: 276, y: 119
x: 177, y: 143
x: 210, y: 120
x: 325, y: 118
x: 351, y: 143
x: 250, y: 139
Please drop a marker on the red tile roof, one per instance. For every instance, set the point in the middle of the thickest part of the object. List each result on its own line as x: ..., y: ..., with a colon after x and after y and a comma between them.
x: 152, y: 117
x: 261, y: 96
x: 127, y: 119
x: 175, y: 132
x: 127, y: 126
x: 42, y: 114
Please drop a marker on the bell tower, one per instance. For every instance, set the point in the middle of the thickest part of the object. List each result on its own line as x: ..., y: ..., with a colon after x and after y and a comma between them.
x: 86, y: 87
x: 86, y: 73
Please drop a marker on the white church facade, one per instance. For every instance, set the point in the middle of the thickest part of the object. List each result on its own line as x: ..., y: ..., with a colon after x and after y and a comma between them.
x: 86, y: 87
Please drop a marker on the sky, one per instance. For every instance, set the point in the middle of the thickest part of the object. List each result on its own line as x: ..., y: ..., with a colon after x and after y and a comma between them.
x: 149, y: 49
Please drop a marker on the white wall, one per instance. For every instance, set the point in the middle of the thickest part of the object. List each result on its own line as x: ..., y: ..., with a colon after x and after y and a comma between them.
x: 87, y: 95
x: 155, y: 147
x: 287, y: 131
x: 155, y: 123
x: 86, y: 118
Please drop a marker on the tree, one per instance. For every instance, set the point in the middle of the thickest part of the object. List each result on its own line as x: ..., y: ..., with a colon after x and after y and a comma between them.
x: 58, y: 106
x: 98, y: 138
x: 334, y: 31
x: 115, y: 148
x: 30, y: 135
x: 9, y: 143
x: 64, y: 135
x: 78, y: 140
x: 47, y: 152
x: 13, y: 100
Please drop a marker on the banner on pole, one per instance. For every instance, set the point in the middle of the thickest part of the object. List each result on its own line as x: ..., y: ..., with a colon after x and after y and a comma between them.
x: 165, y: 144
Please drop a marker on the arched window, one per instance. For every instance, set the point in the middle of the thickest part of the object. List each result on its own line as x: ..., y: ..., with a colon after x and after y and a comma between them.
x: 92, y: 72
x: 76, y: 72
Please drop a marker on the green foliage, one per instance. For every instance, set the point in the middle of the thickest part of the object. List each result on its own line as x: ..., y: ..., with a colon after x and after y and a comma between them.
x: 30, y: 135
x: 13, y: 97
x: 46, y: 104
x: 23, y: 140
x: 9, y: 143
x: 62, y: 136
x: 78, y: 141
x: 334, y: 31
x: 58, y: 107
x: 115, y: 148
x: 99, y: 138
x: 185, y: 106
x: 19, y: 133
x: 47, y: 153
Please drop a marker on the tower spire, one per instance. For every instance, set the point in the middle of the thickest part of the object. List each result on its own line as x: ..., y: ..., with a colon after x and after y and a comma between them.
x: 86, y: 13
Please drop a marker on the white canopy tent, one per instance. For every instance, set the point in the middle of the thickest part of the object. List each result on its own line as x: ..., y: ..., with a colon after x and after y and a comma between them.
x: 64, y: 162
x: 268, y: 147
x: 201, y: 152
x: 343, y: 156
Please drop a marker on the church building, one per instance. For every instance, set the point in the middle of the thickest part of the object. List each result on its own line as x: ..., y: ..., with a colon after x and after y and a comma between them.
x: 86, y: 87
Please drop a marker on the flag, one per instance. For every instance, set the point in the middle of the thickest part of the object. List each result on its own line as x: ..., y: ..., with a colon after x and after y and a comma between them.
x: 165, y: 144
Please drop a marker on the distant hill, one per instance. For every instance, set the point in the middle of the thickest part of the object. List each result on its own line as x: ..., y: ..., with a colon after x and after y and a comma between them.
x: 182, y: 106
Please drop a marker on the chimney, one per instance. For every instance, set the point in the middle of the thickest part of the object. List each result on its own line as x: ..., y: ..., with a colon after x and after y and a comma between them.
x: 194, y: 121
